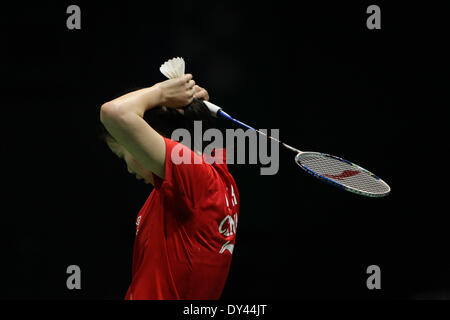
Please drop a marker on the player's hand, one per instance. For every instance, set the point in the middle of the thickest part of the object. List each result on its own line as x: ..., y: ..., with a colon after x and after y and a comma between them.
x: 177, y: 93
x: 201, y: 93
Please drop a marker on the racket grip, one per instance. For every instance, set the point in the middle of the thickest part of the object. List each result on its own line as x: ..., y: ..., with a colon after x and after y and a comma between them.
x: 212, y: 108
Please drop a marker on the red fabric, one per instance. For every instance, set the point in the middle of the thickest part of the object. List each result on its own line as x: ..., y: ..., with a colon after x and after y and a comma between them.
x: 185, y: 232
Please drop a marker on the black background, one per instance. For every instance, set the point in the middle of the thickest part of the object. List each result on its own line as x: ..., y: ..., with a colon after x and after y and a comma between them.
x: 313, y: 71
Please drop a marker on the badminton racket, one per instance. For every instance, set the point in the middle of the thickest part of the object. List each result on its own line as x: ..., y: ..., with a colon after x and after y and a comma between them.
x: 338, y: 172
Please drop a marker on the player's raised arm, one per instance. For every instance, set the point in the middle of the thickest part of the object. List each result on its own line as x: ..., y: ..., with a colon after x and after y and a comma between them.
x: 123, y: 118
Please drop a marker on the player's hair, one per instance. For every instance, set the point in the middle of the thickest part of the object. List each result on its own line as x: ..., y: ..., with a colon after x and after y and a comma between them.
x: 165, y: 120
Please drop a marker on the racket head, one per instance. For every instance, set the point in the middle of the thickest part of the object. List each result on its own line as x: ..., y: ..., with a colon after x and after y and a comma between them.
x: 342, y: 174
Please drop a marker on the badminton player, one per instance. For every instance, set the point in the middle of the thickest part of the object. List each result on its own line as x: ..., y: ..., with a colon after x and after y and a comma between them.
x: 185, y: 231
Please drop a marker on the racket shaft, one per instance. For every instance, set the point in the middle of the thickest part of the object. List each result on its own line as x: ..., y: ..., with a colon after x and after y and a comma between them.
x: 226, y: 115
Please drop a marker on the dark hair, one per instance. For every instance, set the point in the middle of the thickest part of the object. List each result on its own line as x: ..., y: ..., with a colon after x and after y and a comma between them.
x: 165, y: 120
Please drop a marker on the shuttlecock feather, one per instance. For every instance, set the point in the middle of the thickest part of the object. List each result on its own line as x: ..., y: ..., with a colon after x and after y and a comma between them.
x: 173, y: 68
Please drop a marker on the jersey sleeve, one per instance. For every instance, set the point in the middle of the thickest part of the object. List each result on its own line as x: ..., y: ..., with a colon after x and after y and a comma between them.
x: 187, y: 175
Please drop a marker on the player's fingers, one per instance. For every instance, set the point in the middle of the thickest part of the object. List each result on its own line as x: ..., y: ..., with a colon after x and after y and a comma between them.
x: 201, y: 93
x: 191, y: 93
x: 189, y: 99
x: 191, y: 84
x: 187, y: 77
x: 206, y: 95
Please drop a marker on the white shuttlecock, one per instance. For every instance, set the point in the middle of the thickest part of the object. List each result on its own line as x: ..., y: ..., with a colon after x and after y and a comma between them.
x: 173, y: 68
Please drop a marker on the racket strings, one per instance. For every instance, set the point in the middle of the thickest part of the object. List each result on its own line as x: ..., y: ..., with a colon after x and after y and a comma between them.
x: 342, y: 173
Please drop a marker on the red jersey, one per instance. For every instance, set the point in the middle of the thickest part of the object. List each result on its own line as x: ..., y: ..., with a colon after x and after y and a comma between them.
x: 185, y: 231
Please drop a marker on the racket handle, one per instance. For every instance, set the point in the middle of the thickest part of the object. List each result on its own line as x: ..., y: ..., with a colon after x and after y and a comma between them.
x: 217, y: 111
x: 212, y: 108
